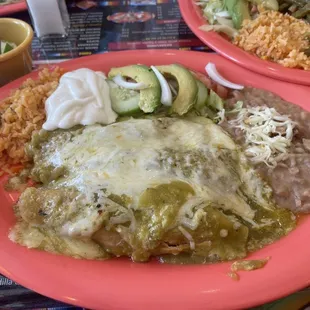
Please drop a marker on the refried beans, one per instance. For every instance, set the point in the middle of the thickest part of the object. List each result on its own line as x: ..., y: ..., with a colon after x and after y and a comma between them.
x: 290, y: 179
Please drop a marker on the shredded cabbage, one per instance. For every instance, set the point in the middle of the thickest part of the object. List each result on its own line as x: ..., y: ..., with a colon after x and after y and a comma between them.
x: 220, y: 117
x: 237, y: 108
x: 231, y: 32
x: 218, y: 17
x: 225, y: 21
x: 212, y: 8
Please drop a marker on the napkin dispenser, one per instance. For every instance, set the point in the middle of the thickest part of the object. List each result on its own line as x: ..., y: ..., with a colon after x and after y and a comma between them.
x: 49, y: 17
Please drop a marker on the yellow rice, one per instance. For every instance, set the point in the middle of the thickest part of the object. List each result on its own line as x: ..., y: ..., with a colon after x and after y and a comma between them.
x: 20, y: 115
x: 276, y: 37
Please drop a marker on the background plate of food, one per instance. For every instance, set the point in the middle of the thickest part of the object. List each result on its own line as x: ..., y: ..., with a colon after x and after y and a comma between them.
x: 269, y: 42
x: 197, y: 184
x: 11, y: 6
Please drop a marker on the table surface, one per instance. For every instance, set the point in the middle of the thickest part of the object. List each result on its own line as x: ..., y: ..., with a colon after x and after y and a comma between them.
x: 100, y: 28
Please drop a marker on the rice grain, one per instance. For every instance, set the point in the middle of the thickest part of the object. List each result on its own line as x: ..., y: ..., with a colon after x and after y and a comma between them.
x: 21, y: 114
x: 276, y: 37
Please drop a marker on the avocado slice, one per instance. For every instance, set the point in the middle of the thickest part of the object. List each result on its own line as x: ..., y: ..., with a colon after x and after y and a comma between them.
x: 188, y: 88
x: 238, y: 10
x: 124, y: 101
x: 208, y: 103
x: 149, y: 97
x: 215, y: 101
x: 202, y: 96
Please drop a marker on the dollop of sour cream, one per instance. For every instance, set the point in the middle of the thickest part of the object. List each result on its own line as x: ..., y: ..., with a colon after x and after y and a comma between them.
x: 81, y: 98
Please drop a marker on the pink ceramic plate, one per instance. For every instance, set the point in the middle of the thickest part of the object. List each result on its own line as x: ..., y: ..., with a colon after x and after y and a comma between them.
x: 8, y: 9
x: 121, y: 284
x: 193, y: 17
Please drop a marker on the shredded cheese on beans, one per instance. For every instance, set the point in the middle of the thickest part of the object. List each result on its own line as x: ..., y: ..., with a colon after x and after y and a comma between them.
x: 268, y: 134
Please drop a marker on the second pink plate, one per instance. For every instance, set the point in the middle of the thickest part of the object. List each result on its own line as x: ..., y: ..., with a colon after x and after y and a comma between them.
x: 194, y: 19
x: 8, y: 9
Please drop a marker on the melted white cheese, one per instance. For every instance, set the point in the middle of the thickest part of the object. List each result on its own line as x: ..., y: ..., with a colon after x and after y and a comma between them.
x: 82, y: 98
x: 126, y: 158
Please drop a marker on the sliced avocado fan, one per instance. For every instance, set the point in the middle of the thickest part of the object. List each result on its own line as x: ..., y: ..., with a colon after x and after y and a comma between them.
x: 149, y: 97
x: 188, y: 89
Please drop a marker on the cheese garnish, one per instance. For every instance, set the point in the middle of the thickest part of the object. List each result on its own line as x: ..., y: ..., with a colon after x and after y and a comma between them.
x: 268, y: 134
